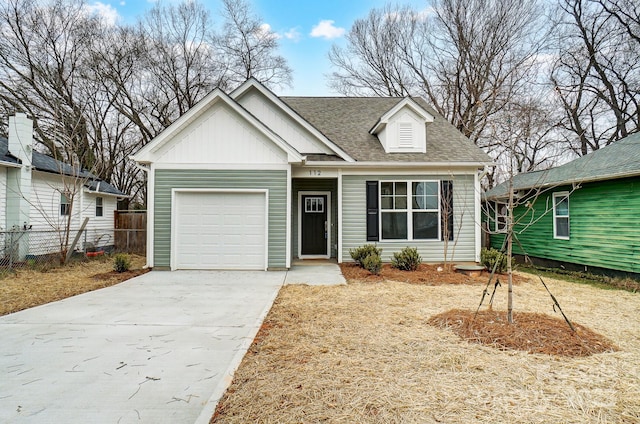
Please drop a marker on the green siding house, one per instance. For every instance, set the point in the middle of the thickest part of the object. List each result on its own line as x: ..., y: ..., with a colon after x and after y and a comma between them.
x: 250, y: 180
x: 583, y: 215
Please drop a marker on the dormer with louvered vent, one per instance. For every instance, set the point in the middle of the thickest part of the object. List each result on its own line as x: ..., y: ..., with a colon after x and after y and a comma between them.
x: 403, y: 128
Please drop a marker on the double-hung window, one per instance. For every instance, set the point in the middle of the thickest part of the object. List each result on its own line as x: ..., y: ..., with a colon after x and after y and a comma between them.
x: 99, y: 207
x: 409, y: 210
x: 65, y: 205
x: 501, y: 217
x: 393, y: 210
x: 425, y: 210
x: 561, y: 215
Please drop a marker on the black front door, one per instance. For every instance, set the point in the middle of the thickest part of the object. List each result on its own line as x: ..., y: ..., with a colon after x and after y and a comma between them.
x: 314, y: 225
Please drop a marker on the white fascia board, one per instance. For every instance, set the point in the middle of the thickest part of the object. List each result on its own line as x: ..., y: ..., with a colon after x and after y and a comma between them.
x: 101, y: 193
x: 253, y: 83
x: 145, y: 155
x: 10, y: 164
x: 385, y: 165
x: 408, y: 102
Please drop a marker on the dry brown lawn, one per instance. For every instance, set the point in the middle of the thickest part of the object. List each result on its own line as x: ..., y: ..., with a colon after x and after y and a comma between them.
x: 27, y: 288
x: 366, y: 353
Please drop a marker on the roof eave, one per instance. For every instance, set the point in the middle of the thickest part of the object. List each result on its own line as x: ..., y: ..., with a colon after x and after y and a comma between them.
x: 103, y: 193
x: 434, y: 165
x: 571, y: 181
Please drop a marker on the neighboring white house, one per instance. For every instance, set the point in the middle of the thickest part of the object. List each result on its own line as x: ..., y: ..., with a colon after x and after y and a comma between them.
x: 250, y: 180
x: 35, y: 194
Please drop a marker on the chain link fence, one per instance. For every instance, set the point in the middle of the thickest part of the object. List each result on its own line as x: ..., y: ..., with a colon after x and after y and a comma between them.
x: 36, y: 248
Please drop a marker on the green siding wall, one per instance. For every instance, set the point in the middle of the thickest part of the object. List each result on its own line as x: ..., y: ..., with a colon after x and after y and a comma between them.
x: 274, y: 181
x: 312, y: 184
x: 354, y: 219
x: 604, y: 227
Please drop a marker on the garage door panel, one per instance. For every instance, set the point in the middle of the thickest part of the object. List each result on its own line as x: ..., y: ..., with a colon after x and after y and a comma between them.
x: 215, y: 230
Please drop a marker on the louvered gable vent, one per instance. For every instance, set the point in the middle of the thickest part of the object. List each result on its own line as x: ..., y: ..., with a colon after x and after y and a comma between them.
x: 403, y: 128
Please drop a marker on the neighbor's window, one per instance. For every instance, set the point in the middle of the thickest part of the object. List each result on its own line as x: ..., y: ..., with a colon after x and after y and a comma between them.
x: 501, y: 217
x: 561, y: 215
x: 409, y: 210
x: 65, y: 205
x: 99, y: 208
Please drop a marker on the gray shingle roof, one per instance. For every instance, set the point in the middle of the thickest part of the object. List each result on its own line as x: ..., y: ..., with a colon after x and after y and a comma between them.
x: 346, y: 121
x: 617, y: 160
x: 44, y: 163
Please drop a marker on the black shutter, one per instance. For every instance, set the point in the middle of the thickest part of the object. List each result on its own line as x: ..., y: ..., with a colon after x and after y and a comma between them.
x: 372, y: 211
x: 446, y: 208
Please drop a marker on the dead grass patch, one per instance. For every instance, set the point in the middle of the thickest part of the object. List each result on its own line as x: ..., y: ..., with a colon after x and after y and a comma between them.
x: 366, y: 353
x: 27, y: 288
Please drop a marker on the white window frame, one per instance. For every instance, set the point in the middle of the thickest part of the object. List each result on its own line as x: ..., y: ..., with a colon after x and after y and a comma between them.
x: 562, y: 195
x: 498, y: 216
x: 64, y: 201
x: 100, y: 206
x: 409, y: 210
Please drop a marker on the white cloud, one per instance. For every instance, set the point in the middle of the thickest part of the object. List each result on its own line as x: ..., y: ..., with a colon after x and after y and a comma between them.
x: 326, y: 29
x: 266, y: 32
x: 293, y: 34
x: 106, y: 11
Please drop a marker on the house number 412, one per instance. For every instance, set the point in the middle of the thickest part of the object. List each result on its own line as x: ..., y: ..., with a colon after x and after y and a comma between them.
x: 315, y: 172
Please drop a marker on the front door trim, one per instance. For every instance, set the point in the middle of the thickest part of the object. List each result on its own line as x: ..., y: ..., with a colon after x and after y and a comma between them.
x: 300, y: 212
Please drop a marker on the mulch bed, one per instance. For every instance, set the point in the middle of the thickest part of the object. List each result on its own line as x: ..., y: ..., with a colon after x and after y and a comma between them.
x: 427, y: 274
x: 530, y: 332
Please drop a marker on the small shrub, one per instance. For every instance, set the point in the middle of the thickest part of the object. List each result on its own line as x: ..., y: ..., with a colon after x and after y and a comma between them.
x: 372, y: 263
x: 360, y: 253
x: 488, y: 258
x: 121, y: 262
x: 407, y: 259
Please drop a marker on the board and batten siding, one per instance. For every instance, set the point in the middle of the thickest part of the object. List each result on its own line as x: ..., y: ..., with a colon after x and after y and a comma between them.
x: 604, y: 227
x: 354, y: 219
x: 312, y: 184
x: 282, y: 124
x: 273, y: 180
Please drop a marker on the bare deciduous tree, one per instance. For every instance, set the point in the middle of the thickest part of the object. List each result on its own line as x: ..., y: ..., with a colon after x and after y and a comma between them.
x: 596, y: 75
x: 470, y: 59
x: 99, y: 91
x: 248, y: 48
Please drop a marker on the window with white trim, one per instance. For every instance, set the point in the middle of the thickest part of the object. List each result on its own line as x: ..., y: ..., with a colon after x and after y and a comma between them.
x: 501, y: 217
x: 99, y: 207
x: 65, y: 205
x: 409, y: 210
x: 561, y: 215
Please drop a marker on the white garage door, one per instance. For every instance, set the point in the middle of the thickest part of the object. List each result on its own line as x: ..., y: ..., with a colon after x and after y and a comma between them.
x: 219, y: 230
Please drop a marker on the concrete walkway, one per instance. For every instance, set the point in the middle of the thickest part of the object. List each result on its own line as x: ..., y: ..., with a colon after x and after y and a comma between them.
x: 160, y: 348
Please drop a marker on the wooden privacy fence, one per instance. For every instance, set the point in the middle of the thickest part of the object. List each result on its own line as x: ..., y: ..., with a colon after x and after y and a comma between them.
x: 130, y: 232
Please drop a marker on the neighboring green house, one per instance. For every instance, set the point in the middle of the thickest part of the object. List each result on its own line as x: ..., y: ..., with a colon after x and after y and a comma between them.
x: 250, y: 180
x: 582, y: 215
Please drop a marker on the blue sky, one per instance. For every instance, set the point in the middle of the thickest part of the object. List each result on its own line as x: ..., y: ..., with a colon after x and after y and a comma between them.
x: 307, y: 29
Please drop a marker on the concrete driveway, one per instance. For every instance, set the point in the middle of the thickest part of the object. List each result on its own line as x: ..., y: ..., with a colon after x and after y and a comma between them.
x: 155, y: 349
